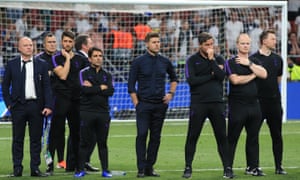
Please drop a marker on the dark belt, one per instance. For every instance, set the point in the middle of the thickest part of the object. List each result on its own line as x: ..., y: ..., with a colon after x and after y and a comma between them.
x: 30, y: 100
x: 26, y: 100
x: 153, y: 101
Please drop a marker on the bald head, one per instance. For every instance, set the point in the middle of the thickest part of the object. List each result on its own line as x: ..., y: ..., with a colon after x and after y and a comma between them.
x: 243, y: 43
x: 242, y: 36
x: 25, y: 47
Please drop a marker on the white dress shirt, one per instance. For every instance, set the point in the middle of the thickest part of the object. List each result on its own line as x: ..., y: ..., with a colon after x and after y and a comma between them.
x: 29, y: 80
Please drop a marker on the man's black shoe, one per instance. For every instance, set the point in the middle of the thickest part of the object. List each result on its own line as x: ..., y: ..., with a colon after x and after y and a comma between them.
x: 187, y: 172
x: 140, y: 175
x: 254, y: 172
x: 49, y: 171
x: 280, y: 171
x: 89, y: 167
x: 17, y: 172
x: 228, y: 173
x: 151, y: 172
x: 38, y: 173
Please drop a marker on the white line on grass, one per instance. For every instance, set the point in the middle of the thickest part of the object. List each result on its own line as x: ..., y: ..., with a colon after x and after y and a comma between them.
x: 168, y: 121
x: 166, y: 135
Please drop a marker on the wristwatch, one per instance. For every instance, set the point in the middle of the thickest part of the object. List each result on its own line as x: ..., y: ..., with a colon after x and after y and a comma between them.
x: 172, y: 93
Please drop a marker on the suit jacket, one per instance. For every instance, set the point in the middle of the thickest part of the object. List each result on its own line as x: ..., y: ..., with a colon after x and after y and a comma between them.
x: 81, y: 54
x: 12, y: 82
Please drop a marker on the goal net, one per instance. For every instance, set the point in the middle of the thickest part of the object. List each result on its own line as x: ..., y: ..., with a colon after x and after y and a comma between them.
x: 178, y: 22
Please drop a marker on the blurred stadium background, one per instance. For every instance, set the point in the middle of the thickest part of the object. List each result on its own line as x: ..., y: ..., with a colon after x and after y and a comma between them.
x: 179, y: 23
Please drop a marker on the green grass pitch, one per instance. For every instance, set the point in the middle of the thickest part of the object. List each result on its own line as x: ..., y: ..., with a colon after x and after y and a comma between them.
x: 170, y: 163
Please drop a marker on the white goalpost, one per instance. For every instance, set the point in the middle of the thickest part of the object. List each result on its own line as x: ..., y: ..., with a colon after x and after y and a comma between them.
x: 178, y: 21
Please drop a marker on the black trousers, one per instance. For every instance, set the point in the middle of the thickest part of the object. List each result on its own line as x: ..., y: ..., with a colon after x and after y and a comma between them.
x: 70, y: 159
x: 94, y: 124
x: 60, y: 149
x: 30, y: 113
x: 272, y: 112
x: 149, y: 117
x: 65, y: 108
x: 91, y: 149
x: 215, y: 112
x: 248, y: 116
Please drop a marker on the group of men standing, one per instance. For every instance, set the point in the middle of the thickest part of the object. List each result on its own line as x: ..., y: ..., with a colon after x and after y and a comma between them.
x: 253, y: 97
x: 67, y: 85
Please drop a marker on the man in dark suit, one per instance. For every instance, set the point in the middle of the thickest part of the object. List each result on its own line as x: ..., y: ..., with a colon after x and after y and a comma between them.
x: 83, y: 43
x: 27, y: 94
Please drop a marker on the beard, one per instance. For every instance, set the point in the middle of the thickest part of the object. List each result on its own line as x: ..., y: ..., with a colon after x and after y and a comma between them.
x: 68, y: 50
x: 152, y: 51
x: 203, y: 53
x: 96, y: 65
x: 272, y: 48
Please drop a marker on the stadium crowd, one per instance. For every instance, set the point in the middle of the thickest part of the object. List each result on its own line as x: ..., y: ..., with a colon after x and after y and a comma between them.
x: 121, y: 35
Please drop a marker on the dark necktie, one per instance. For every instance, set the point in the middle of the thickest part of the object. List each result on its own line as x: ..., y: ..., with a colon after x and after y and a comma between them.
x: 23, y: 72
